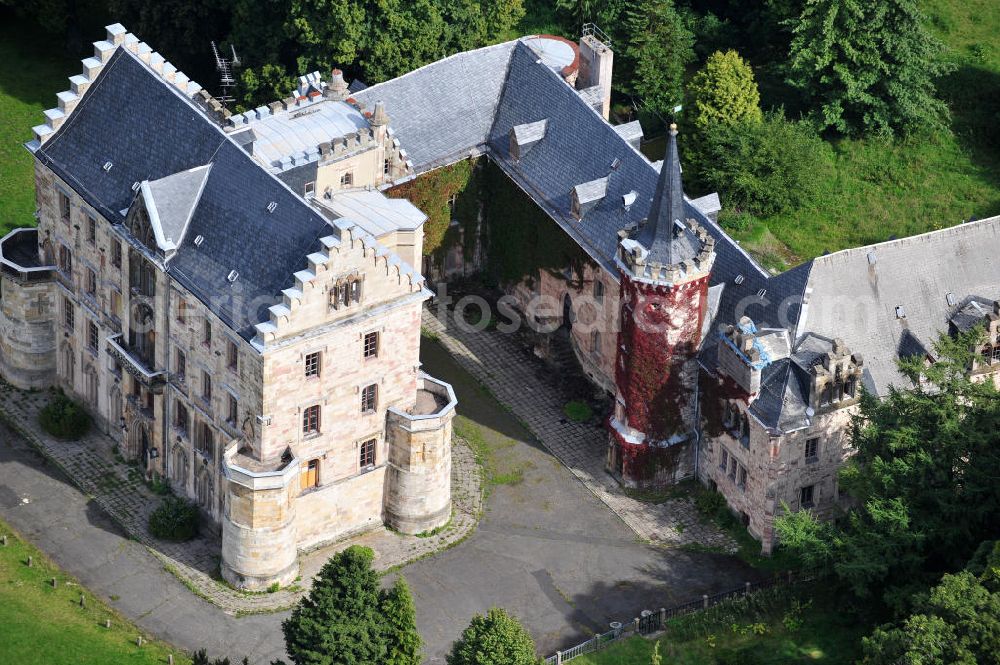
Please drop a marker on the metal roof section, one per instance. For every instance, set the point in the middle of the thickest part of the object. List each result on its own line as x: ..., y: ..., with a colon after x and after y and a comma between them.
x: 297, y: 132
x: 560, y: 55
x: 374, y: 212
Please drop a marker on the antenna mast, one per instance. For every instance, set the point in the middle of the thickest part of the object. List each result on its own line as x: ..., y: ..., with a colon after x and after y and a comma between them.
x: 225, y: 68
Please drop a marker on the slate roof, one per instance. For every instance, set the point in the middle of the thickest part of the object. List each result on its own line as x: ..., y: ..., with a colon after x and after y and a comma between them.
x: 172, y: 201
x: 148, y: 131
x: 444, y: 110
x: 850, y: 298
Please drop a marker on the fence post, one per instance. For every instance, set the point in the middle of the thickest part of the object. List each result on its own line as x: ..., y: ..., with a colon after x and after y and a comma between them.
x: 747, y: 591
x: 558, y: 657
x: 663, y: 618
x: 789, y: 577
x: 635, y: 625
x: 704, y: 600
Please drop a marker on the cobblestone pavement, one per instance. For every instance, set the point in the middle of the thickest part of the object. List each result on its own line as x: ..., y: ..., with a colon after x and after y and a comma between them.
x: 121, y: 491
x: 500, y: 363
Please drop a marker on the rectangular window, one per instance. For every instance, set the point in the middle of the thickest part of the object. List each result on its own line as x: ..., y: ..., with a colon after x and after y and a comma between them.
x: 369, y: 398
x: 180, y: 366
x: 91, y: 283
x: 599, y: 291
x: 595, y: 342
x: 371, y: 345
x: 234, y: 412
x: 312, y: 364
x: 347, y: 179
x: 806, y: 496
x: 309, y: 188
x: 996, y: 354
x: 724, y: 462
x: 116, y: 254
x: 116, y: 304
x: 310, y: 474
x: 732, y: 468
x: 232, y: 355
x: 356, y: 290
x: 91, y: 230
x: 310, y: 420
x: 69, y: 313
x: 182, y: 307
x: 181, y: 418
x: 367, y: 453
x: 387, y: 166
x: 207, y: 333
x: 65, y: 260
x: 812, y: 449
x: 741, y: 477
x: 64, y: 207
x: 92, y: 336
x: 206, y: 386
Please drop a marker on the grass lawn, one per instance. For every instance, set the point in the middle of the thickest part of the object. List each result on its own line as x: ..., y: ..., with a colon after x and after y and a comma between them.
x: 41, y: 625
x: 780, y: 627
x: 32, y: 71
x: 878, y: 189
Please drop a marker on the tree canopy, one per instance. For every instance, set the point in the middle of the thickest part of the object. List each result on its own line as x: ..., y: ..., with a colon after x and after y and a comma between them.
x: 868, y: 66
x: 658, y: 50
x: 723, y: 92
x: 494, y: 639
x: 348, y: 620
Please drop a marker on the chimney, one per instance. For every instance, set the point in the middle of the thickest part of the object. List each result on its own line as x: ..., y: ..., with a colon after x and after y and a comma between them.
x: 380, y: 118
x: 596, y: 58
x: 336, y: 87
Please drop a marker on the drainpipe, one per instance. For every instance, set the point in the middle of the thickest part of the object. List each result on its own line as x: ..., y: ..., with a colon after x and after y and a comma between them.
x: 697, y: 426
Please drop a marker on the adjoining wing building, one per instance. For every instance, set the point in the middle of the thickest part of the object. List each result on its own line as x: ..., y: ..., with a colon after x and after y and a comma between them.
x: 237, y: 300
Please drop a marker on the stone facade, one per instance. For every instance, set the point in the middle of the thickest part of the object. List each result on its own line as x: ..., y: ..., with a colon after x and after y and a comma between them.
x: 318, y: 427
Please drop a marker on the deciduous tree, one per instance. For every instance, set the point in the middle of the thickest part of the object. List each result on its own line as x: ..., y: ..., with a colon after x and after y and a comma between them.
x: 494, y: 639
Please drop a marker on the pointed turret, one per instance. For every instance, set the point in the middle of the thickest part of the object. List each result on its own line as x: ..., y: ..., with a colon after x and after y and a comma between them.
x: 666, y: 215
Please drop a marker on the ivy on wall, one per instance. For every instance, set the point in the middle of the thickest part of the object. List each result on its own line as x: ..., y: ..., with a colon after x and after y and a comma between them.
x: 434, y: 193
x: 521, y: 239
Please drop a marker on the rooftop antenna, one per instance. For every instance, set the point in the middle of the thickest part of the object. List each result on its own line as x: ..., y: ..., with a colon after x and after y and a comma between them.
x: 227, y: 81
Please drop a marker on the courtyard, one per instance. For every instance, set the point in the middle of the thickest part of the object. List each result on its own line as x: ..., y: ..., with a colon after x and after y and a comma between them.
x: 546, y: 547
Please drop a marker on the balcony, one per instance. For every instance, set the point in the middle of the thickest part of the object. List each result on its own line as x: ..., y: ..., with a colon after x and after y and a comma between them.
x: 135, y: 365
x: 19, y: 257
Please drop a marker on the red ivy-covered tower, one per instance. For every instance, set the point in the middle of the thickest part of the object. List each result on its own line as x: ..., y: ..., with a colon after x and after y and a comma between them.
x: 664, y: 272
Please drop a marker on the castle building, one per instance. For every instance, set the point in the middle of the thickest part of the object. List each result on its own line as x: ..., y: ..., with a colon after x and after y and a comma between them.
x: 237, y: 300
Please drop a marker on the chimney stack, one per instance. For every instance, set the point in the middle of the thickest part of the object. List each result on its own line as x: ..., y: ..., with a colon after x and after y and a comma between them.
x: 336, y: 87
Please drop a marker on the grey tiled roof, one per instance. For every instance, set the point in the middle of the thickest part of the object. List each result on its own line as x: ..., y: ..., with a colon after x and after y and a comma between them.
x: 147, y: 130
x: 851, y: 298
x: 443, y: 110
x: 665, y: 234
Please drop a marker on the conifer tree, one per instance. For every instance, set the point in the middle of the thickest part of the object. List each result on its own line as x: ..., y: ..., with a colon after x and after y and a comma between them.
x: 658, y: 50
x: 400, y: 628
x: 868, y: 66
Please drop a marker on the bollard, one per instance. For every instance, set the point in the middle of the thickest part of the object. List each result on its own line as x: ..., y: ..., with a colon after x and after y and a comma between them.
x: 747, y: 591
x: 170, y: 659
x: 3, y: 539
x: 138, y: 641
x: 29, y: 561
x: 83, y: 601
x: 704, y: 600
x: 107, y: 623
x: 53, y: 583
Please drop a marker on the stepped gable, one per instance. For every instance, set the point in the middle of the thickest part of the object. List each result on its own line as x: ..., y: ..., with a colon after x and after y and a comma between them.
x: 145, y: 129
x: 442, y: 112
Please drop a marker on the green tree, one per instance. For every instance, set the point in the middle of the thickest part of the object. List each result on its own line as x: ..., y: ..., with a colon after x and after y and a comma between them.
x: 723, y: 92
x: 958, y: 622
x: 764, y: 168
x: 923, y: 479
x: 339, y: 621
x: 578, y: 12
x: 400, y: 627
x: 868, y: 66
x: 658, y: 50
x: 494, y: 639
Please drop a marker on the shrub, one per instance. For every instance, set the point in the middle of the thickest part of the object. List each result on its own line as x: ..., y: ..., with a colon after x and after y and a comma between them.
x: 494, y: 639
x: 175, y: 519
x: 764, y: 168
x: 710, y: 504
x: 578, y: 411
x: 63, y: 418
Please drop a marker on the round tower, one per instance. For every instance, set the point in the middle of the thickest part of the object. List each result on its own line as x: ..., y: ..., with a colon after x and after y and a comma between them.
x: 664, y: 272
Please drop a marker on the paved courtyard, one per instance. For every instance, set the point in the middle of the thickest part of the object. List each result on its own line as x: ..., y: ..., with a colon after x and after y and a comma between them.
x: 499, y: 362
